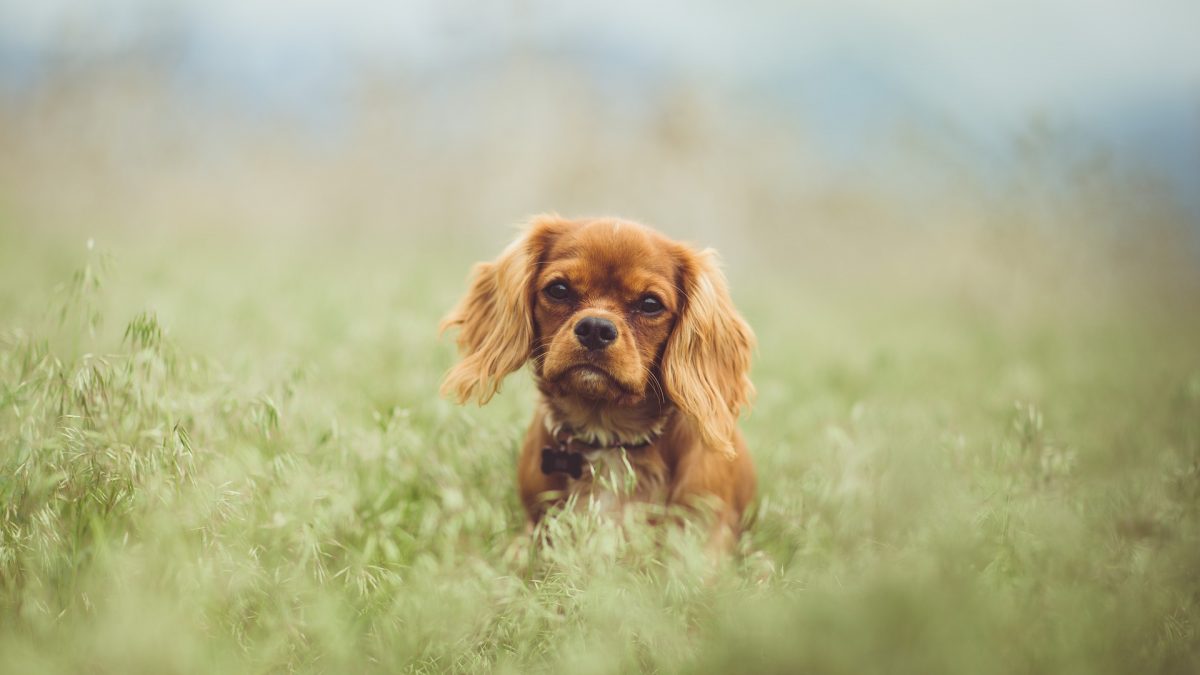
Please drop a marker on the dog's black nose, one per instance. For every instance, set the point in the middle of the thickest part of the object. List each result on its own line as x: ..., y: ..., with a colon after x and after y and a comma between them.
x: 595, y: 333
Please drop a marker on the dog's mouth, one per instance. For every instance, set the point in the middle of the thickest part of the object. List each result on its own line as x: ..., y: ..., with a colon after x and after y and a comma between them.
x: 588, y: 372
x: 590, y: 368
x: 591, y: 381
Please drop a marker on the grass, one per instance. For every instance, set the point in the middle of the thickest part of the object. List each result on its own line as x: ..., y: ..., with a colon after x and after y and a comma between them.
x: 229, y: 456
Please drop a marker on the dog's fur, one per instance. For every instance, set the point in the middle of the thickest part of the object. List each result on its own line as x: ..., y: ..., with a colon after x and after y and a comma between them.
x: 677, y: 377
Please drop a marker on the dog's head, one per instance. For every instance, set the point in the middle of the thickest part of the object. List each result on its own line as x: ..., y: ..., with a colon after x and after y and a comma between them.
x: 611, y: 313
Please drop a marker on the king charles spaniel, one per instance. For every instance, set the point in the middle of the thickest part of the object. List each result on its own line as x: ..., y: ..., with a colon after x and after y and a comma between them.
x: 641, y: 360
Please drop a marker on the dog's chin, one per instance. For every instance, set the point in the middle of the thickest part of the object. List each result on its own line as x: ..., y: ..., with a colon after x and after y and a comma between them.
x: 592, y: 383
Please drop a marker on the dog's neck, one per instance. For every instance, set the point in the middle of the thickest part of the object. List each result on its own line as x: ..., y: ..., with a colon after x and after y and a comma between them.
x: 605, y: 425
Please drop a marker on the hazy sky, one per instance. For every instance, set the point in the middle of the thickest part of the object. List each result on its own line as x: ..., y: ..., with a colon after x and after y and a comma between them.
x: 1127, y: 69
x: 1008, y: 56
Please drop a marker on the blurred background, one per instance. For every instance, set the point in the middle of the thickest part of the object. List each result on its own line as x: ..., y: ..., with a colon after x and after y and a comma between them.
x: 827, y: 127
x: 1022, y: 164
x: 967, y: 235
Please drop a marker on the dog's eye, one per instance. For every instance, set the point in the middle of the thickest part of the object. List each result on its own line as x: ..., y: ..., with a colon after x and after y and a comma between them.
x: 649, y: 305
x: 558, y: 290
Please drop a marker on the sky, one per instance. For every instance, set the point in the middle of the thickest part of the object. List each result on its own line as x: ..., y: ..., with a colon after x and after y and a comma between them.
x: 1126, y: 72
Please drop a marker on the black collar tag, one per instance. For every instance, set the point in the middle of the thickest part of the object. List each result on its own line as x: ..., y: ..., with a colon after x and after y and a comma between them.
x: 561, y: 461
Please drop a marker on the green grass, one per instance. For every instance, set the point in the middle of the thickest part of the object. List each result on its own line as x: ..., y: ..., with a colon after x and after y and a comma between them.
x: 230, y: 456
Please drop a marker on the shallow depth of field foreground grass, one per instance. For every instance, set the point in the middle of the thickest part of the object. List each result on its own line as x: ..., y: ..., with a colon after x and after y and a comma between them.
x: 227, y: 454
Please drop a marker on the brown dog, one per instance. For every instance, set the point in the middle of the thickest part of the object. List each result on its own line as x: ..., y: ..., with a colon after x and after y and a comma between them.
x: 641, y: 359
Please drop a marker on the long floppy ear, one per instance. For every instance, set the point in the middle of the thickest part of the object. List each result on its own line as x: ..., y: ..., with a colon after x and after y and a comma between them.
x: 706, y: 363
x: 496, y: 317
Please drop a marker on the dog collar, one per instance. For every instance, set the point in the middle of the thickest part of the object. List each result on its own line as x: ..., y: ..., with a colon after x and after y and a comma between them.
x: 569, y: 453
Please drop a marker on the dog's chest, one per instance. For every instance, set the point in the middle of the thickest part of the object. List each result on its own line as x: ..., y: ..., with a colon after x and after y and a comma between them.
x: 613, y: 478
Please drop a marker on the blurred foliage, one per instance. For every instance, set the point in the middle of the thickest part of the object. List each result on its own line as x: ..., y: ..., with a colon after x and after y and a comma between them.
x: 230, y: 454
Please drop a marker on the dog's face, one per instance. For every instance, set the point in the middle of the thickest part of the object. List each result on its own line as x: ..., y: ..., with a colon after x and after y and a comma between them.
x: 604, y: 303
x: 611, y: 313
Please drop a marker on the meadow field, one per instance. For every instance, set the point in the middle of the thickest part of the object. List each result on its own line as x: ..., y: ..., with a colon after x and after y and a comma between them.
x: 977, y: 428
x: 229, y: 456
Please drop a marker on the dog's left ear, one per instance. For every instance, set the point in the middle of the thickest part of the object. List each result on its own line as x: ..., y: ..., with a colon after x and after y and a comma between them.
x: 496, y: 315
x: 706, y: 364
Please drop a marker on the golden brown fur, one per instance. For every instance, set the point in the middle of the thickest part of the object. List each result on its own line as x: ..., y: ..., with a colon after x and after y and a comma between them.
x: 675, y: 373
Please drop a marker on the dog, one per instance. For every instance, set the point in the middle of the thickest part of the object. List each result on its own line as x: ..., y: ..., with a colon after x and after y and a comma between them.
x: 641, y: 360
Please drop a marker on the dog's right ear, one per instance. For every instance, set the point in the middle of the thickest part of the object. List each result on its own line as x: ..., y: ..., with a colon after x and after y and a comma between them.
x: 496, y: 315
